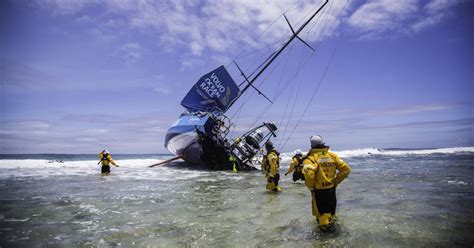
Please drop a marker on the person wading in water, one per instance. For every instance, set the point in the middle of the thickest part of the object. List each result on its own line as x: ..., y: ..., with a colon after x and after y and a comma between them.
x: 106, y: 160
x: 319, y: 170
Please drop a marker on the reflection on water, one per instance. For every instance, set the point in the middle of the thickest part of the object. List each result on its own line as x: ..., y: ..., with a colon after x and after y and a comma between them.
x: 387, y: 201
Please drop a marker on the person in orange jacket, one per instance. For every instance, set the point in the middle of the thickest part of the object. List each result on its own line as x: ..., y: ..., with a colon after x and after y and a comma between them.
x: 323, y: 171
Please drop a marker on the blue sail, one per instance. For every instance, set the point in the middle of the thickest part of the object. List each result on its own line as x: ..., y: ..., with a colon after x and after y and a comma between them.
x: 214, y: 91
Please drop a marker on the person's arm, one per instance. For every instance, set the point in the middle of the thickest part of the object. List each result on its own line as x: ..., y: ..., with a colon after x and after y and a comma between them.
x: 100, y: 158
x: 343, y: 169
x: 293, y: 163
x: 309, y: 172
x: 112, y: 161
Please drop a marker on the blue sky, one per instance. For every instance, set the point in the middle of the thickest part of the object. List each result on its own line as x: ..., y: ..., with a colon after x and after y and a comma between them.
x: 78, y: 76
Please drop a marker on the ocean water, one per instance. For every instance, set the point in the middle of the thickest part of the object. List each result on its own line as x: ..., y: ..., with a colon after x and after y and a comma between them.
x: 392, y: 198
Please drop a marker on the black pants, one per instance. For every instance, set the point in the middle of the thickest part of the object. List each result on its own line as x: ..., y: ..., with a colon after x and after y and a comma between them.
x: 276, y: 179
x: 105, y: 168
x: 297, y: 175
x: 325, y: 200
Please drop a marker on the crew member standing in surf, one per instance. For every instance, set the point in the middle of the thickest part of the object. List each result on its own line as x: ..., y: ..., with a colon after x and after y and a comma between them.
x: 106, y: 160
x: 271, y: 162
x: 319, y: 170
x: 296, y: 165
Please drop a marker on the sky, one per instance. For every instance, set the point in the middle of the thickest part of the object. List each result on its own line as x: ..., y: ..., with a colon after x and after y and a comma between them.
x: 81, y: 76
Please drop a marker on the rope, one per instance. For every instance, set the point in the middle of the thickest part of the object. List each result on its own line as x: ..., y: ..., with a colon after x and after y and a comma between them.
x: 300, y: 66
x: 320, y: 81
x: 319, y: 25
x: 310, y: 101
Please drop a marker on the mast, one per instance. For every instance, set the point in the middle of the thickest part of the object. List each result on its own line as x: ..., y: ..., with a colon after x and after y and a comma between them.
x: 275, y: 54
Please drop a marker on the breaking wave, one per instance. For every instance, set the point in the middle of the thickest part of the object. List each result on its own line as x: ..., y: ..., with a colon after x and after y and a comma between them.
x: 286, y: 157
x: 138, y: 168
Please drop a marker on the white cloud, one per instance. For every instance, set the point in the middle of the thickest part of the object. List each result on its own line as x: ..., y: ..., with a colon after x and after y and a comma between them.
x: 95, y: 131
x: 130, y: 52
x: 221, y: 27
x: 160, y: 85
x: 382, y: 15
x: 419, y: 108
x: 434, y: 12
x: 381, y: 18
x: 66, y: 7
x: 162, y: 90
x: 25, y: 127
x: 85, y: 19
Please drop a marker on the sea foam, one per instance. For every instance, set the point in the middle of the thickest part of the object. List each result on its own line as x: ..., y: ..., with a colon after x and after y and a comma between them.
x: 138, y: 168
x: 286, y: 157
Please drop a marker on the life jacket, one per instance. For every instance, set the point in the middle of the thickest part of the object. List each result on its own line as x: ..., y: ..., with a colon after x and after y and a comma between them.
x: 267, y: 163
x: 300, y: 159
x: 321, y: 169
x: 105, y: 157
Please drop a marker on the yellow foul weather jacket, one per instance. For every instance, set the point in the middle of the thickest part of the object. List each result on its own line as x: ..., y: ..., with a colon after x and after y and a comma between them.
x: 273, y: 163
x: 293, y: 165
x: 320, y: 167
x: 106, y: 160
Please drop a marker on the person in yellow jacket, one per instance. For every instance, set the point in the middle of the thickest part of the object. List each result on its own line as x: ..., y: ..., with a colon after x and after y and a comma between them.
x: 297, y: 166
x: 106, y: 160
x: 319, y: 169
x: 271, y: 165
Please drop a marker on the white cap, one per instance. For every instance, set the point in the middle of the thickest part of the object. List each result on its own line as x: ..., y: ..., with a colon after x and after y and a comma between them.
x: 316, y: 140
x: 106, y: 151
x: 298, y: 151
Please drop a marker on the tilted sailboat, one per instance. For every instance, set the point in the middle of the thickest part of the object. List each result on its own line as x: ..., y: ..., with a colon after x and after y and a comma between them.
x: 199, y: 136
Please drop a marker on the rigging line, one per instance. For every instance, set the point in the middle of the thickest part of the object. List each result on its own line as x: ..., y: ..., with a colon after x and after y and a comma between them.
x: 236, y: 121
x: 289, y: 100
x: 239, y: 109
x: 266, y: 29
x: 285, y: 37
x: 286, y: 108
x: 319, y: 25
x: 297, y: 93
x: 284, y: 69
x: 314, y: 93
x: 296, y: 73
x: 253, y: 92
x: 286, y: 85
x: 292, y: 109
x: 263, y: 54
x: 260, y: 84
x: 258, y: 37
x: 312, y: 97
x: 259, y: 50
x: 279, y: 83
x: 316, y: 22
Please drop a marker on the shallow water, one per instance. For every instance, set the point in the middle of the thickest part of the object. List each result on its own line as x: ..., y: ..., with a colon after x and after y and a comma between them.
x: 402, y: 201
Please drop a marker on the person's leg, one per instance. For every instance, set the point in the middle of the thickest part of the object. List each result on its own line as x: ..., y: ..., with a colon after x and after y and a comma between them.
x: 323, y: 203
x: 314, y: 206
x: 277, y: 178
x: 105, y: 169
x: 270, y: 183
x: 300, y: 176
x: 332, y: 201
